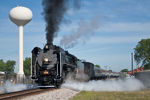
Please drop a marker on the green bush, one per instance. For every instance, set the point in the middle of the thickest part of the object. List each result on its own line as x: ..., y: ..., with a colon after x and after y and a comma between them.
x: 147, y: 67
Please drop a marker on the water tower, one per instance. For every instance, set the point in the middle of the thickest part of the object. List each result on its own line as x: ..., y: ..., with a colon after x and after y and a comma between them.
x: 20, y: 16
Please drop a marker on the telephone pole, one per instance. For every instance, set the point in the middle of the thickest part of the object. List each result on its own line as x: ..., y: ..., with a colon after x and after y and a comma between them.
x: 132, y: 63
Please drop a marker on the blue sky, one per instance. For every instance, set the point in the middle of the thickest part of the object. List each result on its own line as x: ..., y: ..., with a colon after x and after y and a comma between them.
x: 122, y: 23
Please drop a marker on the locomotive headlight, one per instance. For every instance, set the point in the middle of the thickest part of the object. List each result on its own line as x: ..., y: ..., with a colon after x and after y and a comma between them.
x: 45, y: 59
x: 45, y: 72
x: 46, y: 47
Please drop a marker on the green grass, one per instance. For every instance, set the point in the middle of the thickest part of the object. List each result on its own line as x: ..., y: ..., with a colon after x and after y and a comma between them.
x: 136, y: 95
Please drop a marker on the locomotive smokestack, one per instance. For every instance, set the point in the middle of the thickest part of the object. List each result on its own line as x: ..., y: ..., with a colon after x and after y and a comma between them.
x: 54, y: 11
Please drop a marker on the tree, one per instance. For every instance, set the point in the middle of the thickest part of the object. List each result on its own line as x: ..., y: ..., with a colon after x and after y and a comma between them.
x: 10, y: 66
x: 142, y: 52
x: 147, y: 66
x: 124, y: 70
x: 27, y: 65
x: 98, y: 66
x: 7, y: 66
x: 2, y: 65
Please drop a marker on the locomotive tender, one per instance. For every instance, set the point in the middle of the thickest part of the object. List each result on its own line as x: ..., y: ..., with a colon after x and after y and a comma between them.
x: 51, y: 65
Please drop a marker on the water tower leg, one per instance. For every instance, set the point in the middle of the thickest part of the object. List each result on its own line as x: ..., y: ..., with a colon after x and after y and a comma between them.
x: 20, y: 78
x: 20, y: 74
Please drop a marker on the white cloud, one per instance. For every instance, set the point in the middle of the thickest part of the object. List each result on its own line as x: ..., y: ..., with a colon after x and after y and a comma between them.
x: 125, y: 27
x: 117, y: 39
x: 86, y: 3
x: 35, y: 26
x: 113, y: 27
x: 7, y: 26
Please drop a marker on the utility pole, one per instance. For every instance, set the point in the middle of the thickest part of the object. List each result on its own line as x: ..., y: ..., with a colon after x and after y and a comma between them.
x: 132, y: 63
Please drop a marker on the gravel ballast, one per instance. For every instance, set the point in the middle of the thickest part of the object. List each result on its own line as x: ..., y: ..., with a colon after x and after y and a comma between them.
x: 58, y: 94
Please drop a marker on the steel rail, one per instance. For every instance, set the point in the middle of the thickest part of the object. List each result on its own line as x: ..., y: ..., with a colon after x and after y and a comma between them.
x: 23, y: 93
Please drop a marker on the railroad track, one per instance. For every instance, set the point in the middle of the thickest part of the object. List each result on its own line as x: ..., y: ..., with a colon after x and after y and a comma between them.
x: 24, y: 93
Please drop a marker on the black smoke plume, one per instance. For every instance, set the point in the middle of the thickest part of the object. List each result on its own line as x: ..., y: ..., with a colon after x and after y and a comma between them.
x: 54, y: 11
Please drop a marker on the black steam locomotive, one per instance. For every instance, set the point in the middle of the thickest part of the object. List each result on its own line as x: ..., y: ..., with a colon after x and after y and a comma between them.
x: 52, y: 64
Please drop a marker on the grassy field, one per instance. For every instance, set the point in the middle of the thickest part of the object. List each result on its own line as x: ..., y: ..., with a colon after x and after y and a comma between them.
x: 136, y: 95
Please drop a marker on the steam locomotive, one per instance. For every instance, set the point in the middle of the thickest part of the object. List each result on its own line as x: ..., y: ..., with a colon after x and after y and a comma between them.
x: 51, y: 65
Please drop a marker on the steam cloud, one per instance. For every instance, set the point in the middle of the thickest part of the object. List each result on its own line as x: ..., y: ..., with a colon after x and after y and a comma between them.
x: 105, y: 85
x: 83, y: 32
x: 10, y: 87
x: 54, y: 11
